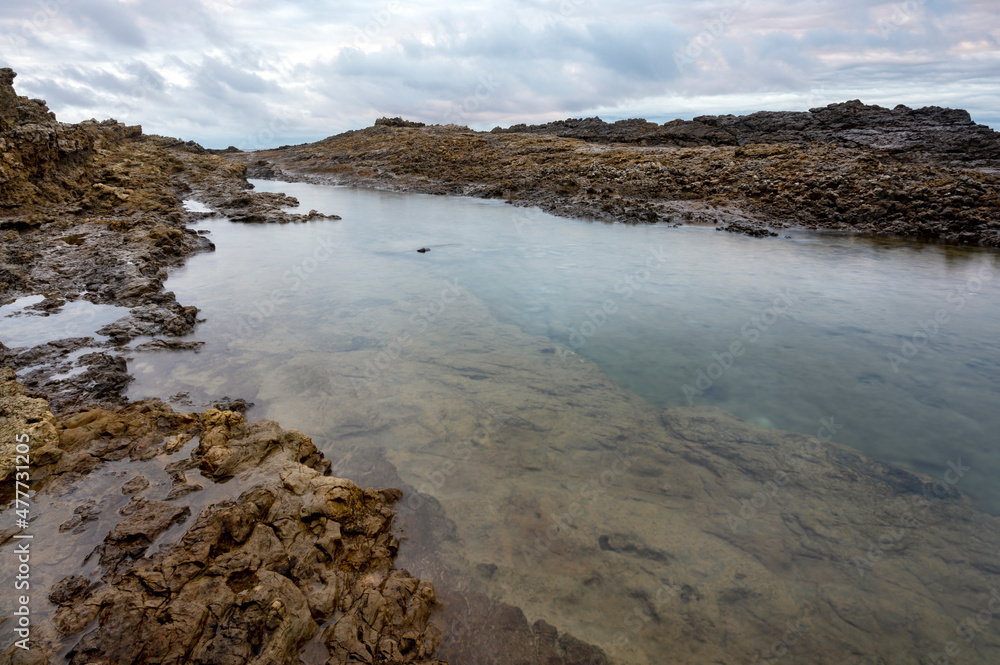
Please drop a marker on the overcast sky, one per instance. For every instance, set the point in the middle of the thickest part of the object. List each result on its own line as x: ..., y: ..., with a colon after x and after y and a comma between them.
x: 258, y: 74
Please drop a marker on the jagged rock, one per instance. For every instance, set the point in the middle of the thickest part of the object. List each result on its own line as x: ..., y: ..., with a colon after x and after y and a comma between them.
x: 930, y: 133
x: 397, y: 122
x: 239, y: 404
x: 168, y: 345
x: 926, y: 173
x: 254, y: 576
x: 23, y: 420
x: 636, y: 130
x: 135, y: 485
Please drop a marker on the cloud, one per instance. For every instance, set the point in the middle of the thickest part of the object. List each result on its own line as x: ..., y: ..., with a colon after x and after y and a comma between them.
x: 251, y: 72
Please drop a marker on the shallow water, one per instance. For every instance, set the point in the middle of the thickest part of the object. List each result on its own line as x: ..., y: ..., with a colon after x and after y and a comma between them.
x: 22, y: 327
x: 195, y: 206
x: 473, y: 369
x: 652, y: 306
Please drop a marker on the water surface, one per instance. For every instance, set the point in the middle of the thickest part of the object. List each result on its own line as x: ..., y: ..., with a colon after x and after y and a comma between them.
x: 479, y: 371
x: 830, y: 328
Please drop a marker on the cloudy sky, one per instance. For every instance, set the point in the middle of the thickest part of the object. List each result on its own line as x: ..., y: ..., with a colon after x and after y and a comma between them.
x: 257, y: 74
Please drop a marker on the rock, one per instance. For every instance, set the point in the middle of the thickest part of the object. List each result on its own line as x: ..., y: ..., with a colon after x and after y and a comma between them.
x: 182, y: 490
x: 135, y: 485
x: 168, y: 344
x: 23, y: 420
x: 255, y: 576
x: 748, y: 229
x: 238, y: 405
x: 511, y: 638
x: 930, y: 133
x: 106, y: 192
x: 131, y: 537
x: 85, y: 512
x: 929, y: 173
x: 635, y: 131
x: 68, y: 589
x: 397, y: 122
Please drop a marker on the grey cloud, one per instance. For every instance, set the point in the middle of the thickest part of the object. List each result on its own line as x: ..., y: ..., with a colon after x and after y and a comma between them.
x: 223, y: 71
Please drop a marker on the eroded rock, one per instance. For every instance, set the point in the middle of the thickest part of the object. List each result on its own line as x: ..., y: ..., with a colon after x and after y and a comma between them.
x: 254, y: 577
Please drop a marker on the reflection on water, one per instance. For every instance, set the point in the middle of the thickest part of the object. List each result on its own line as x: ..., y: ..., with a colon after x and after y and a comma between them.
x: 480, y: 370
x: 837, y: 329
x: 24, y: 327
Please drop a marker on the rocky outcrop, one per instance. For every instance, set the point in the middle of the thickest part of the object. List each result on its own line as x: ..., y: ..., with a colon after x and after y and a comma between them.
x: 47, y: 163
x: 929, y: 134
x: 635, y: 131
x: 22, y: 419
x: 295, y: 560
x: 595, y: 170
x: 93, y: 211
x: 398, y: 122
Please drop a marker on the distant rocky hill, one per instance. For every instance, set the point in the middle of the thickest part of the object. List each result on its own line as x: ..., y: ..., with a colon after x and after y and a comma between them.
x: 931, y: 133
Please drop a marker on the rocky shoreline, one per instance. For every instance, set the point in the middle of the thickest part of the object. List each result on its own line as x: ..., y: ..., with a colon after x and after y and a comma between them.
x: 930, y: 174
x: 297, y: 564
x: 206, y: 538
x: 92, y: 212
x: 295, y: 557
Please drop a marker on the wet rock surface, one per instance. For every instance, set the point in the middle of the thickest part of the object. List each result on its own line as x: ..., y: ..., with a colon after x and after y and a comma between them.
x: 297, y: 554
x: 93, y: 211
x: 293, y: 564
x: 927, y: 173
x: 239, y: 547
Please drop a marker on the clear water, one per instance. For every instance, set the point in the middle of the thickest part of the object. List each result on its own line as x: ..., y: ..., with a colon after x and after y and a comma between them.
x: 844, y: 305
x: 195, y: 206
x: 21, y: 327
x: 539, y: 339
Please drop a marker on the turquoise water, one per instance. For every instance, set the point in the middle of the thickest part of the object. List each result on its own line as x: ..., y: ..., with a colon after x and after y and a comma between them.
x: 827, y: 328
x: 504, y: 372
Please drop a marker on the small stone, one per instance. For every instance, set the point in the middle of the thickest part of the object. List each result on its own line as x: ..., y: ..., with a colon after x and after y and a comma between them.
x: 134, y: 485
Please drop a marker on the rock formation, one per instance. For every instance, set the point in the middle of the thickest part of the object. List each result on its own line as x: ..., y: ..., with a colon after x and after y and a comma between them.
x: 929, y: 173
x: 931, y: 133
x: 297, y: 559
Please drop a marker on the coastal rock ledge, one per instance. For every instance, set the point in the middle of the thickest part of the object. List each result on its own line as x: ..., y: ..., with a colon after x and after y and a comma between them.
x: 300, y: 563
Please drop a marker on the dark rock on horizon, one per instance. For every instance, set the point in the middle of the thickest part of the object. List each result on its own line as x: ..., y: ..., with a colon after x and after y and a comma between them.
x: 931, y: 133
x: 398, y: 122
